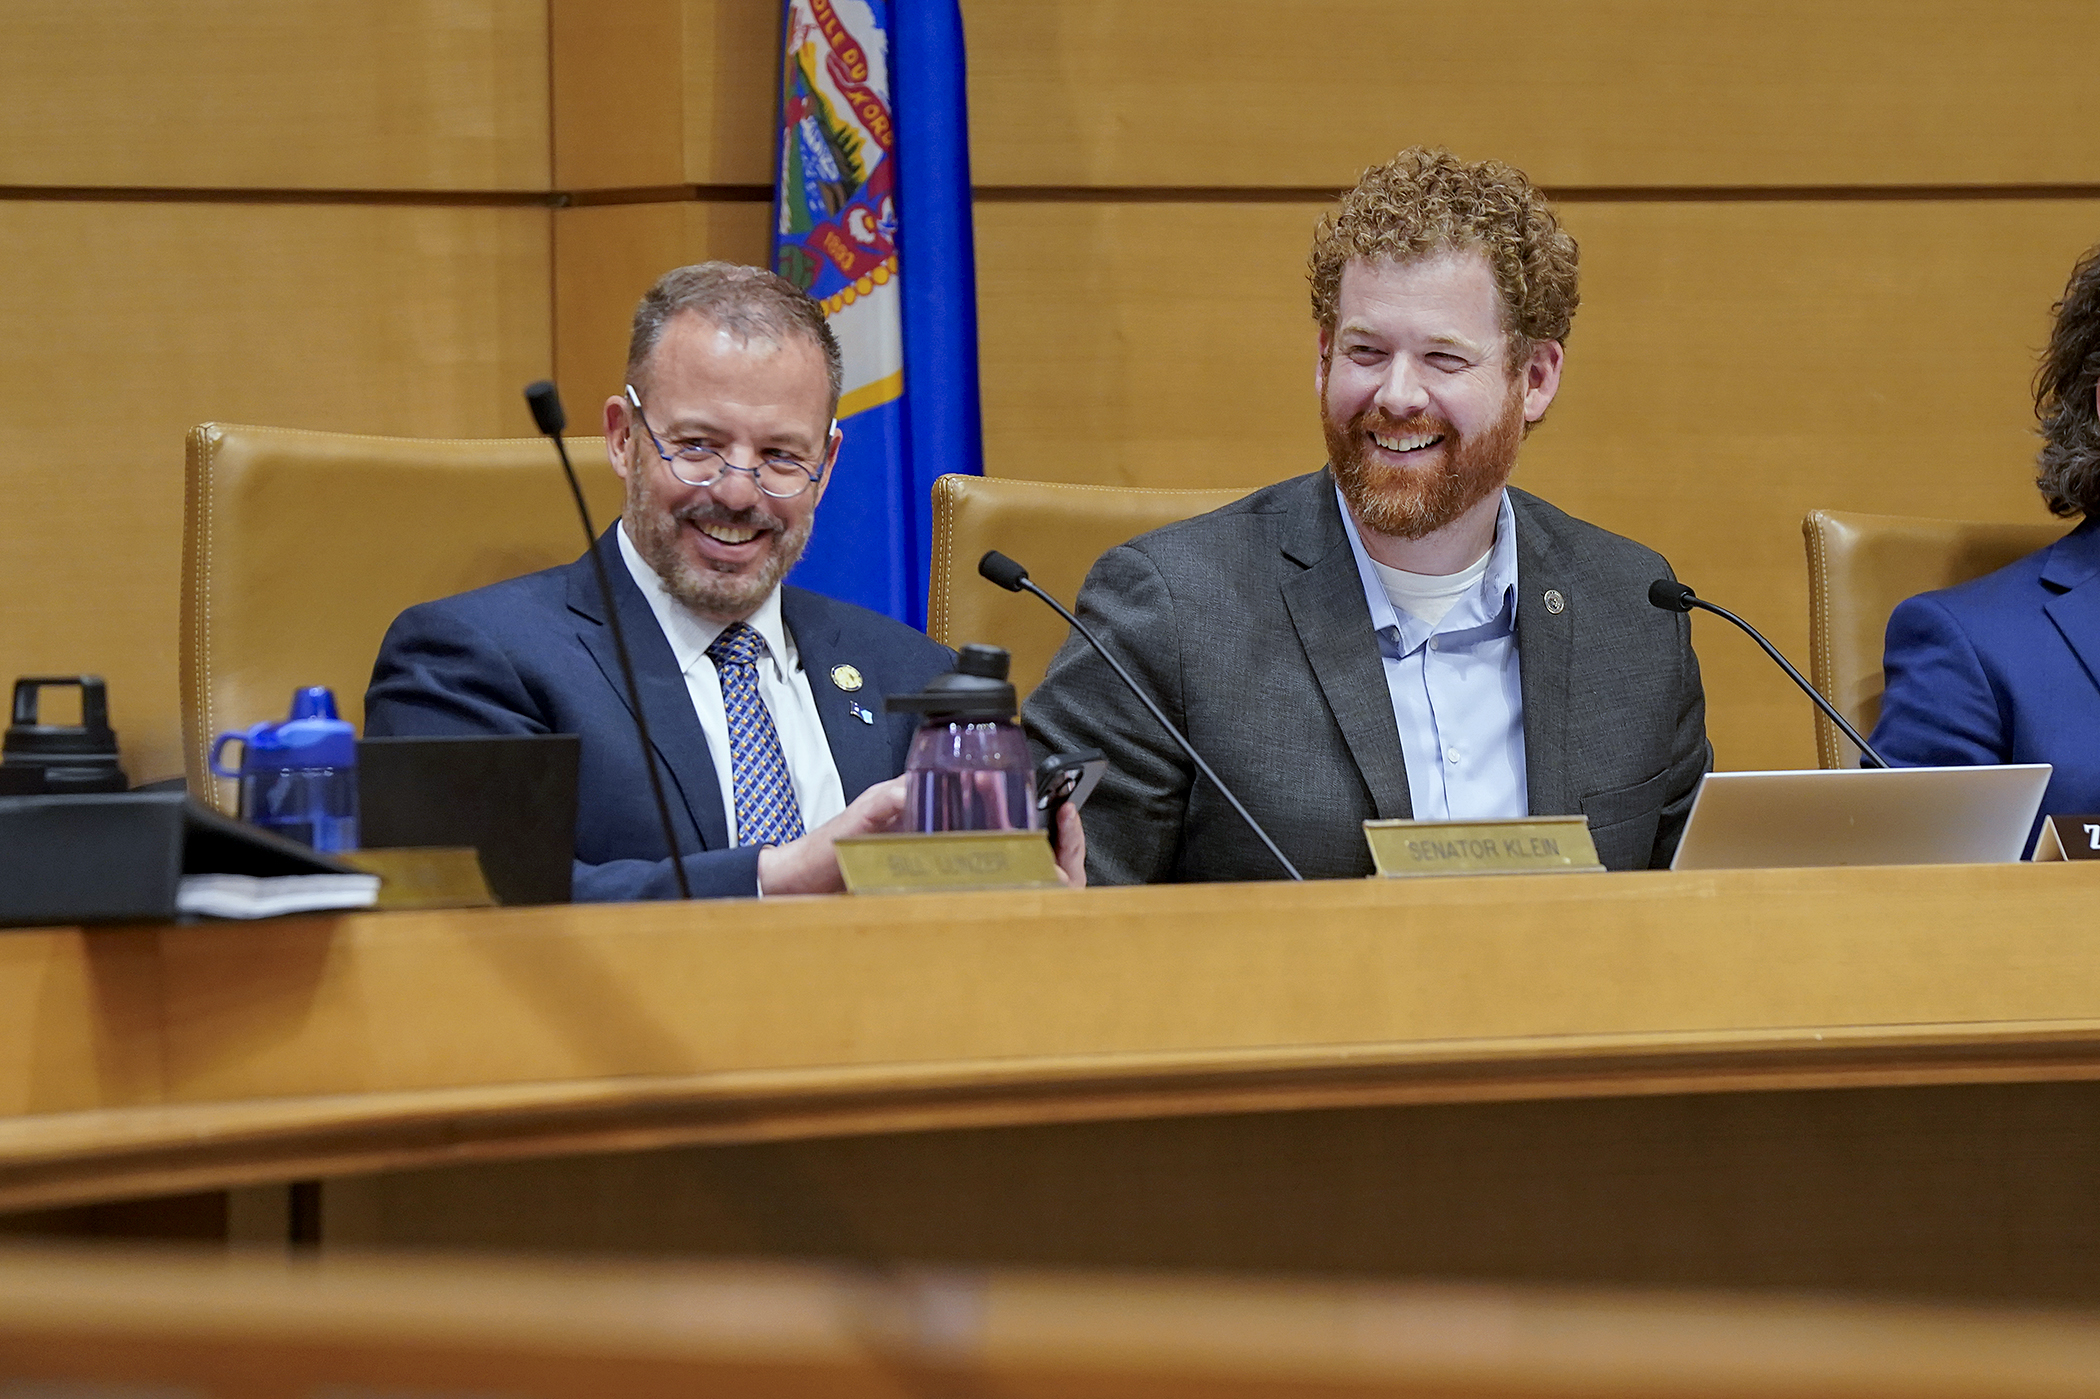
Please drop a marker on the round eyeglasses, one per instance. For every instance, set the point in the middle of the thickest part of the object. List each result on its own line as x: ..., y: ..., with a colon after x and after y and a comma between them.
x: 777, y: 474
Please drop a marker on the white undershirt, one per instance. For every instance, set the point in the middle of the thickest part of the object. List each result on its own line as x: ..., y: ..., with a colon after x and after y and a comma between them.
x: 782, y: 684
x: 1430, y: 595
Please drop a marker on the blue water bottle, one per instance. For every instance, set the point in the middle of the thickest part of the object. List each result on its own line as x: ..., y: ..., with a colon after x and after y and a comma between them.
x: 299, y: 776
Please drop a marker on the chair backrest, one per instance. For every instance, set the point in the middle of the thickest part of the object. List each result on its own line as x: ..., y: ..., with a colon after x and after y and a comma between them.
x: 1859, y: 568
x: 299, y: 548
x: 1057, y: 531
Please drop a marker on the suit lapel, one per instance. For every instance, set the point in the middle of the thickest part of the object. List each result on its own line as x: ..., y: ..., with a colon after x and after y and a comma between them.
x: 674, y: 728
x: 861, y: 751
x: 1327, y: 608
x: 2074, y: 566
x: 1545, y: 656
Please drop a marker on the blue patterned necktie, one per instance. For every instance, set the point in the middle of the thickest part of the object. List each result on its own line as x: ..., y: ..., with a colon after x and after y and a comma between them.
x: 766, y: 813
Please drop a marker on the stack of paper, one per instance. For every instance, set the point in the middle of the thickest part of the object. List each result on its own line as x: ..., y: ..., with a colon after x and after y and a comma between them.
x: 246, y: 896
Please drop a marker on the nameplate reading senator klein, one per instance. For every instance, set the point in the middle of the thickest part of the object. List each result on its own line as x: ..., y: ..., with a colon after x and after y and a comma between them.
x: 1522, y: 845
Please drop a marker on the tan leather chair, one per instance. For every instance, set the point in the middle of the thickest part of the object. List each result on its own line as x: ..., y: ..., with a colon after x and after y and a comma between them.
x: 1859, y: 568
x: 1056, y: 531
x: 299, y: 548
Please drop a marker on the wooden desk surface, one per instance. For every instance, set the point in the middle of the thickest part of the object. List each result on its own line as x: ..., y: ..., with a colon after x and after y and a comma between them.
x: 248, y: 1326
x: 153, y: 1059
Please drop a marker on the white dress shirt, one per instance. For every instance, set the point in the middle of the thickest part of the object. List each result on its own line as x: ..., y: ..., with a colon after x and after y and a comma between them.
x: 782, y: 683
x: 1450, y: 651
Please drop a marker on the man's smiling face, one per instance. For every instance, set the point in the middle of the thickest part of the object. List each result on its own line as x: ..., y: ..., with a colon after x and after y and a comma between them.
x: 721, y: 549
x: 1421, y: 412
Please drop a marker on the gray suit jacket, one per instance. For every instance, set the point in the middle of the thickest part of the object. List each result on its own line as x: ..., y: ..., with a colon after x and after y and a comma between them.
x: 1249, y: 628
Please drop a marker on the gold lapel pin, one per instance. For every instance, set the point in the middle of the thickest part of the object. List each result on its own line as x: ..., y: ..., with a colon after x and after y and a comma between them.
x: 845, y: 677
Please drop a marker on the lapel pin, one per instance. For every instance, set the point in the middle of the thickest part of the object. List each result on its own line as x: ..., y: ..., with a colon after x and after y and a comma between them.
x: 848, y: 679
x: 1555, y: 603
x: 861, y: 714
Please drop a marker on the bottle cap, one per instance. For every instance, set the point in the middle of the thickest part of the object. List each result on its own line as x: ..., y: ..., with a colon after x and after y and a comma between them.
x: 313, y: 737
x: 977, y: 689
x: 72, y: 757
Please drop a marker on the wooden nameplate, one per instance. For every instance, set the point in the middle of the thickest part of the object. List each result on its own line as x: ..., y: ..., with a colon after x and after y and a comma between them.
x: 918, y: 864
x: 1518, y: 845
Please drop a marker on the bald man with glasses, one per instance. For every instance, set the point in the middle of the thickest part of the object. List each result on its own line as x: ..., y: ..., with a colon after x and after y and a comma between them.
x: 765, y: 702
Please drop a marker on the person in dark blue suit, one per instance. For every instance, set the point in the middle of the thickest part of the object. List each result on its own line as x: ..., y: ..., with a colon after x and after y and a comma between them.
x: 765, y: 703
x: 2006, y: 668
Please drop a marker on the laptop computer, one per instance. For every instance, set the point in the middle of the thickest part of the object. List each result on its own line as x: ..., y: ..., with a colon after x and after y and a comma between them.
x: 1862, y: 816
x: 511, y: 797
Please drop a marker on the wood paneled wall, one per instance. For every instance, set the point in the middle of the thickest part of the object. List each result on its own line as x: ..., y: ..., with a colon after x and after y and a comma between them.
x: 303, y: 214
x: 441, y: 95
x: 1819, y: 247
x: 1650, y: 93
x: 1820, y: 243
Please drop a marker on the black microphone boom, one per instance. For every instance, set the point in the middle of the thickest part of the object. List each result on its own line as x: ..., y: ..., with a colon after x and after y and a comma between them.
x: 1014, y: 578
x: 545, y: 401
x: 1672, y: 596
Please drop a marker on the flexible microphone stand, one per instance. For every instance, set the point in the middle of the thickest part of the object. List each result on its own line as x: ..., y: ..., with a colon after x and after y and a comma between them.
x: 545, y: 402
x: 1672, y: 596
x: 1014, y: 578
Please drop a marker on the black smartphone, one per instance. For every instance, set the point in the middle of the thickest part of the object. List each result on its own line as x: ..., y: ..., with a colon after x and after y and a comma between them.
x: 1066, y: 777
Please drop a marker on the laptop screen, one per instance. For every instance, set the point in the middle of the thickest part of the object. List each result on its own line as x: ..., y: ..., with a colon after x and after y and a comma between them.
x: 1862, y: 816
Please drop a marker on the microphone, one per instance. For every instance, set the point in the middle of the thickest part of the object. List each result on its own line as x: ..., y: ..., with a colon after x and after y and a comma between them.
x: 1672, y: 596
x: 1014, y: 578
x: 545, y: 401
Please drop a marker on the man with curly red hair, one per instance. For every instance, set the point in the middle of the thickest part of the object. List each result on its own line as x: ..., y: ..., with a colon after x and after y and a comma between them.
x: 1399, y: 634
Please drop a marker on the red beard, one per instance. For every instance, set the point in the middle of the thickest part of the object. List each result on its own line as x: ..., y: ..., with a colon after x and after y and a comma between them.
x: 1410, y: 502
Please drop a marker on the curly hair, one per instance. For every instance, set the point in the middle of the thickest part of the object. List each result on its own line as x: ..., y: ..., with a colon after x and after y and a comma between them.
x: 1423, y: 202
x: 2069, y: 462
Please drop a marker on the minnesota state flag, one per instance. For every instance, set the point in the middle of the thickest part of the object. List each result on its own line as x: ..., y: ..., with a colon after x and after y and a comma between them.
x: 871, y: 216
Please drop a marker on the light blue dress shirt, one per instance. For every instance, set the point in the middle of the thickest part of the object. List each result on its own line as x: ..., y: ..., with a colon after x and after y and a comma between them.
x: 1457, y: 696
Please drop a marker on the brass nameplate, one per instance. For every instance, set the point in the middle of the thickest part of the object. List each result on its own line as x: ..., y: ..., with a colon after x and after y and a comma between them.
x: 915, y: 864
x: 1522, y: 845
x: 434, y: 876
x: 2069, y: 838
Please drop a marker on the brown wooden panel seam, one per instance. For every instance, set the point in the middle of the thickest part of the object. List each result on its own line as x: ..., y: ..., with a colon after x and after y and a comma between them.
x: 1035, y: 194
x: 668, y: 194
x: 1617, y: 194
x: 62, y: 194
x: 1321, y: 194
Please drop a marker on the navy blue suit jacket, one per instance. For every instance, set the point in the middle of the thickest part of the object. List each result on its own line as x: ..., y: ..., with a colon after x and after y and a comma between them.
x: 2003, y: 669
x: 534, y: 655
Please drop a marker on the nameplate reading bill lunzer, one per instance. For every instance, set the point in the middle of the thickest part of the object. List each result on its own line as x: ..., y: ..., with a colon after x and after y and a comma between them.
x: 917, y: 864
x: 1522, y: 845
x: 2069, y: 838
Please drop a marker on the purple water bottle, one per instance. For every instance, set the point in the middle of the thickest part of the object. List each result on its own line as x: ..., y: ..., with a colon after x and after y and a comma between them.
x: 969, y: 768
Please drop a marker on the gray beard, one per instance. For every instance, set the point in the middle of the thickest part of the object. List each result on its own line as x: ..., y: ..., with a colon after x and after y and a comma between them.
x: 718, y: 597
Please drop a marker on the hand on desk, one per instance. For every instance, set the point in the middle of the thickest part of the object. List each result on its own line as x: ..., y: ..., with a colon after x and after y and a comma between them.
x: 811, y: 865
